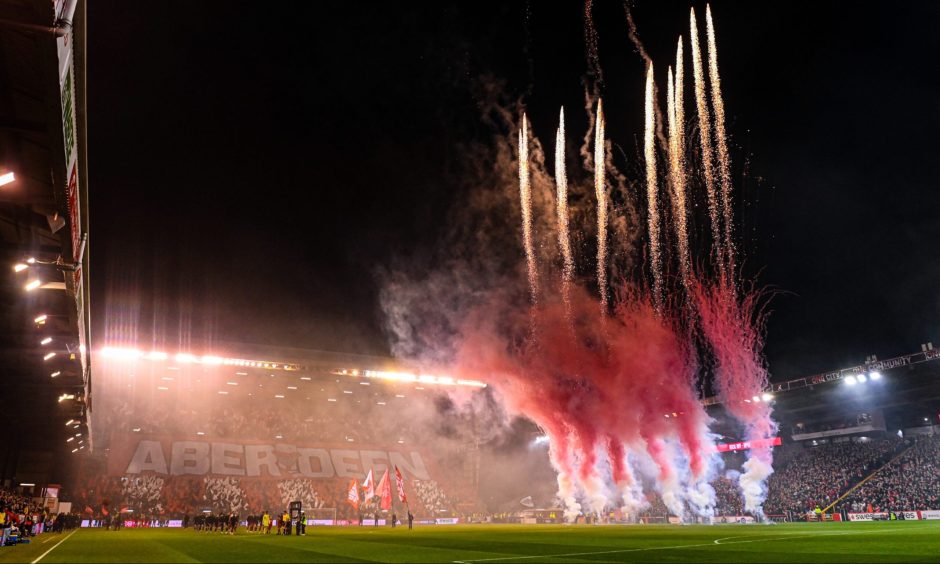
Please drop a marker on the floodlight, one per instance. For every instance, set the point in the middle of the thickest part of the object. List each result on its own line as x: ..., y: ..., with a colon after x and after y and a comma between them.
x: 875, y: 375
x: 850, y: 380
x: 862, y: 378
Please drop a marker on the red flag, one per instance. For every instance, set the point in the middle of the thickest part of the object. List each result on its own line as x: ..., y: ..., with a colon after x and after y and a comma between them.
x: 88, y: 509
x: 368, y: 487
x: 352, y: 497
x: 400, y: 482
x: 384, y: 491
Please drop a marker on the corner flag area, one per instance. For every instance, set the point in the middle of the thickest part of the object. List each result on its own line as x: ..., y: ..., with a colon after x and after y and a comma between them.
x: 803, y: 542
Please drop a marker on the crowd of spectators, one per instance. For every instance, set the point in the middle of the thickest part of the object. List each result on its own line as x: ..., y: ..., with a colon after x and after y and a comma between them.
x: 432, y: 496
x: 22, y: 518
x: 819, y: 475
x: 728, y: 499
x: 17, y: 503
x: 910, y: 483
x: 176, y: 496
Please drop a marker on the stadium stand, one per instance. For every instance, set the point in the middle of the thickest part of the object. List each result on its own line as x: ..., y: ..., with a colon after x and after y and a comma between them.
x: 22, y: 518
x: 909, y: 482
x: 819, y: 475
x: 187, y: 405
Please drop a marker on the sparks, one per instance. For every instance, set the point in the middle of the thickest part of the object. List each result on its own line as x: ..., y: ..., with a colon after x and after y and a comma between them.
x: 600, y: 192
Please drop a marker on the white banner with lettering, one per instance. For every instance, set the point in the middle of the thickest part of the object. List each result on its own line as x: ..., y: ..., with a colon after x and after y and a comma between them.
x: 163, y: 456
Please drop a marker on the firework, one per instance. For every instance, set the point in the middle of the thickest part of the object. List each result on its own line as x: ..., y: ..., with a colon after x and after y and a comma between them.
x: 649, y: 145
x: 561, y: 209
x: 677, y: 167
x: 721, y: 143
x: 704, y: 125
x: 600, y: 190
x: 525, y: 199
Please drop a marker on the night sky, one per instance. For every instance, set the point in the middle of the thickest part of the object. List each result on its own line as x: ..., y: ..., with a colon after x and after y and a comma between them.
x: 253, y: 167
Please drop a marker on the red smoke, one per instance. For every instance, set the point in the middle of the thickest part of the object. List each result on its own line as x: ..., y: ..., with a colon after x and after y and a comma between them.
x: 731, y: 328
x: 600, y: 386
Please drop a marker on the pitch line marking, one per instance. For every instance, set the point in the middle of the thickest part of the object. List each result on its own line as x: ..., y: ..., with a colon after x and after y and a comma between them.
x: 713, y: 543
x: 43, y: 555
x: 718, y: 541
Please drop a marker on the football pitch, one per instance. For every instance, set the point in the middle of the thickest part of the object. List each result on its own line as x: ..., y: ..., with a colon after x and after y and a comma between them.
x: 804, y: 542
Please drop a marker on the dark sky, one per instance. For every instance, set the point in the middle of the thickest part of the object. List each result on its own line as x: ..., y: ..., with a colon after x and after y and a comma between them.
x: 253, y: 165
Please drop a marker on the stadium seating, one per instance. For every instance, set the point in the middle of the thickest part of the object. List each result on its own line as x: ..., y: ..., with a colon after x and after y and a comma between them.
x: 910, y: 482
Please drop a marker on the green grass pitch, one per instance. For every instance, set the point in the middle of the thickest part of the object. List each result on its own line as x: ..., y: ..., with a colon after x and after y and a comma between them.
x: 804, y: 542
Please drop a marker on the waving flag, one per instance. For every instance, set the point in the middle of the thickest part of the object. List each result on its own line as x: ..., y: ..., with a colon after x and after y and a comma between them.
x: 368, y: 488
x: 400, y: 482
x: 352, y: 497
x: 384, y: 491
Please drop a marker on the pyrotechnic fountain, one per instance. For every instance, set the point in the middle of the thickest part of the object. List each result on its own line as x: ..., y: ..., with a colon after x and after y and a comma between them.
x: 600, y: 190
x: 561, y: 208
x: 525, y: 200
x: 611, y: 377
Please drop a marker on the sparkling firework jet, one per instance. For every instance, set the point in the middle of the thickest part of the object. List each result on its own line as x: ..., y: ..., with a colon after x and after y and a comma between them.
x: 677, y: 168
x: 561, y: 209
x: 649, y: 144
x: 705, y: 137
x: 721, y: 143
x: 525, y: 199
x: 600, y: 191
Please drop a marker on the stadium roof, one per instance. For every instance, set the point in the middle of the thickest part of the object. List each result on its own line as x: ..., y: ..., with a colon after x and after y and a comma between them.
x: 44, y: 325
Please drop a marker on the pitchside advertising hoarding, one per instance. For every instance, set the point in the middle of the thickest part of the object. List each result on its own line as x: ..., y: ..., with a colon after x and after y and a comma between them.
x: 900, y: 515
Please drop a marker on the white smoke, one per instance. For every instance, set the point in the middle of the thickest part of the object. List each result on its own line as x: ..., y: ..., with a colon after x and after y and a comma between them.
x: 567, y: 495
x: 753, y: 484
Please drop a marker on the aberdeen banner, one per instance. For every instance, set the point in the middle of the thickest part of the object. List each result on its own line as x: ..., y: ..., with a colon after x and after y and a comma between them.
x: 132, y: 454
x: 176, y: 476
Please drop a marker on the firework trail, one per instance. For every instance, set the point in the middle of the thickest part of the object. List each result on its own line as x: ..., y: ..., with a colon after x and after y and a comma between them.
x: 590, y: 40
x: 561, y: 209
x: 677, y: 168
x: 705, y: 137
x: 525, y: 199
x: 649, y: 145
x: 600, y: 192
x: 721, y: 142
x: 634, y: 36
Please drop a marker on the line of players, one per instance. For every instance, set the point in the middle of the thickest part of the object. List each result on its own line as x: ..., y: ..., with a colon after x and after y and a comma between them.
x: 228, y: 523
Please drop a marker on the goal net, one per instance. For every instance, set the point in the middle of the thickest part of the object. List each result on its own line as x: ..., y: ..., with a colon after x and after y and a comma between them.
x: 321, y: 516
